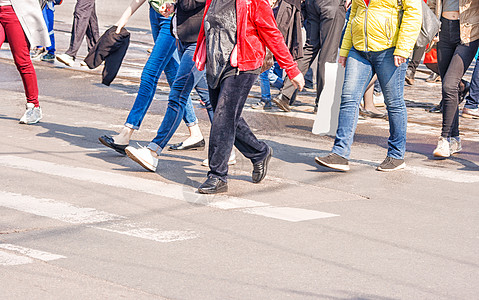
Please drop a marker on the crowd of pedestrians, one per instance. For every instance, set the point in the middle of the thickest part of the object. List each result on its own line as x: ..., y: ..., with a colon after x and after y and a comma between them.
x: 221, y: 48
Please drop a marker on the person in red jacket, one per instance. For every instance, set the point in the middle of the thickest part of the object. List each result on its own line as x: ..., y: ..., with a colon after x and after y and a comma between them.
x: 231, y: 47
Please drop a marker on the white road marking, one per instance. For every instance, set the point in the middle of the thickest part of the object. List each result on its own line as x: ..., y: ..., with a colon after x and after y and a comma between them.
x: 91, y: 217
x: 9, y: 259
x: 288, y: 213
x: 37, y: 254
x: 434, y: 173
x: 153, y: 187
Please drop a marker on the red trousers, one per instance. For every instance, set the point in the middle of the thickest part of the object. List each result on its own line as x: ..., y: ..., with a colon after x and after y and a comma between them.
x: 11, y: 28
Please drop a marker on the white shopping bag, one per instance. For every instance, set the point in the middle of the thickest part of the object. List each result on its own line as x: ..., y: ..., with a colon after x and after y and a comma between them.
x: 326, y: 121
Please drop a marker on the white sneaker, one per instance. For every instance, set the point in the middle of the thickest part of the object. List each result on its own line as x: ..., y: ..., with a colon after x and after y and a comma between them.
x: 143, y: 156
x: 455, y: 145
x: 66, y: 59
x: 443, y: 148
x: 32, y: 115
x: 231, y: 160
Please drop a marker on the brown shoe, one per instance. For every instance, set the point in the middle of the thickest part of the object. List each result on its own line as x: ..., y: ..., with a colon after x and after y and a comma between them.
x: 470, y: 113
x: 282, y: 102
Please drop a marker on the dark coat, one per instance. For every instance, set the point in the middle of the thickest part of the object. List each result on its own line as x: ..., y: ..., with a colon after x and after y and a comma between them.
x: 288, y: 18
x: 111, y: 48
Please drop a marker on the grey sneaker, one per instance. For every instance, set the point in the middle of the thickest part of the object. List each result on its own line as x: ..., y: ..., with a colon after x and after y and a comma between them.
x: 262, y: 105
x: 391, y: 164
x: 48, y: 57
x: 455, y: 145
x: 37, y: 52
x: 32, y: 115
x: 333, y: 161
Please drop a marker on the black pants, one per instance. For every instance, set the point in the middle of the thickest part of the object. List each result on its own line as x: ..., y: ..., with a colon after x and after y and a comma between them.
x: 453, y: 59
x: 229, y: 127
x: 324, y: 23
x: 85, y: 22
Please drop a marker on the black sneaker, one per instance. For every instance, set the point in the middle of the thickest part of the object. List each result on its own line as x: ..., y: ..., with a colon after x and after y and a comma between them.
x: 391, y: 164
x: 333, y: 161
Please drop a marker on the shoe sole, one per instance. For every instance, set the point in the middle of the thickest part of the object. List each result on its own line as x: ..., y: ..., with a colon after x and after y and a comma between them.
x: 400, y: 167
x: 30, y: 123
x: 281, y: 106
x: 64, y: 61
x: 343, y: 168
x: 141, y: 162
x: 221, y: 190
x: 435, y: 154
x: 188, y: 149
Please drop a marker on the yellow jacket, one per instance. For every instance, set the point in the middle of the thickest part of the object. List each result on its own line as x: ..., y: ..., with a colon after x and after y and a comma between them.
x: 375, y: 27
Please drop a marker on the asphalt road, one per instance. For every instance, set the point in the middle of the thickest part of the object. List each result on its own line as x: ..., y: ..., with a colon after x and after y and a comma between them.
x: 79, y: 221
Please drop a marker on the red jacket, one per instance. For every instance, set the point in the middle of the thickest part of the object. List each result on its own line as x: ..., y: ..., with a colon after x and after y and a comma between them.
x: 256, y: 29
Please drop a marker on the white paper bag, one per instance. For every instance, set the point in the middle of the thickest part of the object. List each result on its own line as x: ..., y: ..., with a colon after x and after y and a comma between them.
x: 326, y: 121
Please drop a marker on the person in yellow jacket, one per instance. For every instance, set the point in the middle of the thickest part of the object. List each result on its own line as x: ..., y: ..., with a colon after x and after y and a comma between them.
x: 376, y: 41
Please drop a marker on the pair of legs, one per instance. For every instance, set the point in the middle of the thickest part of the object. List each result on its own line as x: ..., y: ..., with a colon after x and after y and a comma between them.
x: 163, y: 57
x: 11, y: 28
x: 360, y: 69
x: 472, y: 100
x: 369, y: 108
x: 324, y: 23
x: 267, y: 79
x: 454, y: 59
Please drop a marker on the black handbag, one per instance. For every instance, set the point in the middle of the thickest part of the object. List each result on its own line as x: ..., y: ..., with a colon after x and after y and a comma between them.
x: 430, y: 25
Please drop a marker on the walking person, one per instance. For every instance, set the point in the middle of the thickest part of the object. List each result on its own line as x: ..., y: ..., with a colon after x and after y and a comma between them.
x: 21, y: 23
x: 48, y: 53
x: 324, y: 22
x: 188, y: 20
x: 384, y: 53
x: 232, y: 68
x: 164, y: 57
x: 85, y: 23
x: 457, y: 46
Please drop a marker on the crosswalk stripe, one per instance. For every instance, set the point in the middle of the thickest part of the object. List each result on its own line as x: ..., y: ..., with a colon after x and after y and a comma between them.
x: 9, y: 259
x: 158, y: 188
x: 89, y: 216
x: 37, y: 254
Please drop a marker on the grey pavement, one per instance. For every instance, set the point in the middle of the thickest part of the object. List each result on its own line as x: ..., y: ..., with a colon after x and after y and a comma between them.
x: 79, y: 221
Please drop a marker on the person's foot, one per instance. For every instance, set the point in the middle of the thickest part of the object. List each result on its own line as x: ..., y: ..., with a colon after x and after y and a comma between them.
x: 433, y: 78
x: 333, y: 161
x: 213, y: 185
x: 391, y: 164
x: 231, y: 160
x: 410, y: 77
x: 66, y: 59
x: 37, y: 52
x: 435, y: 109
x: 48, y: 57
x: 443, y: 148
x: 262, y: 105
x: 282, y: 102
x: 32, y: 115
x: 144, y: 156
x: 200, y: 145
x: 470, y: 113
x: 110, y: 142
x: 372, y: 114
x: 261, y: 168
x: 455, y: 145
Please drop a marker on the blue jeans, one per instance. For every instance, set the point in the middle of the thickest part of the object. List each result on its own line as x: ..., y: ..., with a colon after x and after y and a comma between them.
x: 268, y: 78
x: 472, y: 100
x: 360, y: 68
x: 187, y: 77
x: 161, y: 58
x: 48, y: 13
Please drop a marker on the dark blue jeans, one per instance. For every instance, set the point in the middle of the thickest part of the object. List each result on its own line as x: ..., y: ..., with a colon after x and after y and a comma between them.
x: 360, y: 68
x: 472, y: 100
x: 187, y: 77
x: 229, y: 127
